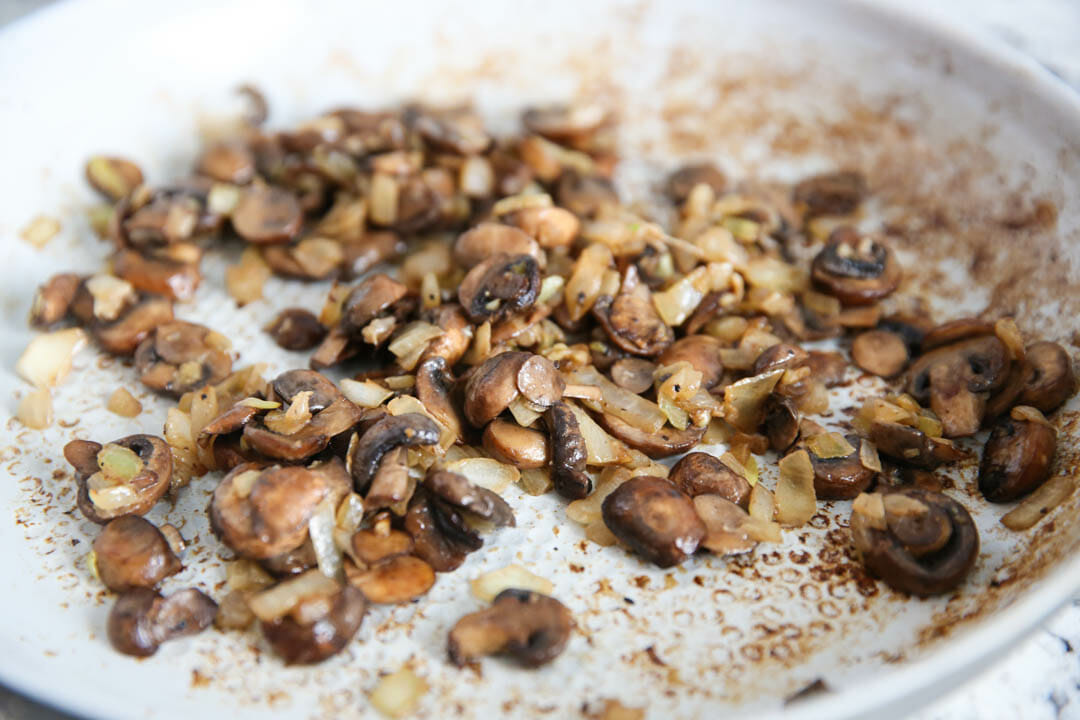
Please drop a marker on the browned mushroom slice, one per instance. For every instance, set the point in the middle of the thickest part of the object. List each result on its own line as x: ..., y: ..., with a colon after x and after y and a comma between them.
x: 398, y: 579
x: 838, y: 193
x: 141, y: 619
x: 292, y: 562
x: 1049, y: 380
x: 326, y: 424
x: 913, y: 446
x: 539, y: 381
x: 457, y: 334
x: 391, y: 483
x: 306, y: 643
x: 392, y: 431
x: 123, y: 335
x: 369, y: 250
x: 180, y: 357
x: 854, y: 268
x: 125, y: 477
x: 480, y: 242
x: 564, y: 123
x: 261, y: 513
x: 655, y: 519
x: 839, y: 477
x: 267, y: 214
x: 665, y: 442
x: 433, y: 388
x: 955, y: 331
x: 880, y: 352
x: 781, y: 422
x: 296, y: 329
x: 569, y: 453
x: 336, y: 348
x: 686, y: 178
x: 289, y: 384
x: 917, y: 541
x: 457, y: 491
x: 53, y: 299
x: 131, y: 552
x: 164, y: 216
x: 456, y: 132
x: 702, y: 352
x: 781, y: 355
x: 228, y: 163
x: 635, y: 374
x: 500, y: 285
x: 159, y: 276
x: 584, y: 195
x: 372, y: 546
x: 957, y: 379
x: 630, y: 319
x: 113, y: 177
x: 370, y: 299
x: 1016, y: 459
x: 702, y: 474
x: 430, y: 544
x: 530, y: 627
x: 308, y: 258
x: 521, y: 447
x: 492, y: 386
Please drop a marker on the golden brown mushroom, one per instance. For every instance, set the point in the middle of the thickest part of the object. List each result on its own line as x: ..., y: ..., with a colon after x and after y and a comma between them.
x: 309, y: 641
x: 499, y: 286
x: 702, y: 474
x: 655, y: 519
x: 1016, y: 458
x: 854, y: 268
x: 530, y: 627
x: 131, y: 552
x: 179, y: 357
x: 957, y: 380
x: 1049, y: 380
x: 126, y: 476
x: 141, y: 619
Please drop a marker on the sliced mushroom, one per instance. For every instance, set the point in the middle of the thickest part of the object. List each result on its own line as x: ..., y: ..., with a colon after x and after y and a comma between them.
x: 702, y: 474
x: 180, y: 357
x: 296, y: 329
x: 725, y: 532
x: 665, y: 442
x: 917, y: 541
x: 433, y: 388
x: 114, y: 482
x: 458, y: 132
x: 457, y: 334
x: 781, y: 355
x: 332, y: 416
x: 564, y: 123
x: 430, y: 544
x: 838, y: 193
x: 568, y: 452
x: 655, y: 519
x: 880, y: 353
x: 113, y: 177
x: 955, y: 331
x: 156, y: 275
x: 306, y: 643
x: 261, y: 513
x: 151, y: 220
x: 292, y: 562
x: 630, y: 319
x: 372, y: 546
x: 957, y: 379
x: 492, y: 386
x: 636, y: 374
x: 398, y: 579
x: 267, y: 214
x: 123, y: 335
x: 913, y: 446
x: 1049, y: 381
x: 521, y: 447
x: 781, y: 422
x: 370, y: 299
x: 539, y: 381
x: 500, y: 285
x: 841, y: 478
x: 584, y: 195
x: 681, y: 182
x: 228, y: 163
x: 854, y: 268
x: 701, y: 351
x: 53, y: 299
x: 392, y: 431
x: 1016, y: 459
x: 291, y: 383
x: 391, y: 483
x: 456, y: 490
x: 482, y: 241
x: 530, y: 627
x: 131, y: 552
x: 141, y: 619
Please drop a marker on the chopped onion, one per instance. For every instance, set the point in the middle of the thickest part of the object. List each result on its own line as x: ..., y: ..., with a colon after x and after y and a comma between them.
x: 868, y: 456
x: 740, y: 468
x: 477, y: 177
x: 762, y: 530
x: 330, y: 313
x: 599, y: 533
x: 523, y: 411
x: 601, y: 448
x: 1038, y: 504
x: 744, y: 401
x: 110, y: 295
x: 585, y: 282
x: 279, y: 600
x: 119, y: 464
x: 587, y: 510
x: 383, y: 199
x: 378, y: 330
x: 321, y: 529
x: 1009, y: 334
x: 47, y: 359
x: 535, y: 481
x: 123, y: 403
x: 870, y: 507
x: 1026, y: 413
x: 627, y: 406
x: 290, y: 421
x: 259, y: 403
x: 412, y: 339
x: 400, y: 382
x: 481, y: 345
x: 829, y: 445
x: 676, y: 303
x: 397, y: 695
x: 242, y: 483
x: 551, y: 290
x: 35, y: 410
x: 365, y: 393
x: 40, y: 231
x: 796, y: 501
x: 724, y: 521
x: 178, y: 430
x: 245, y: 574
x: 486, y: 472
x: 774, y: 274
x: 762, y: 506
x: 430, y: 294
x: 244, y: 281
x: 488, y: 585
x: 523, y: 201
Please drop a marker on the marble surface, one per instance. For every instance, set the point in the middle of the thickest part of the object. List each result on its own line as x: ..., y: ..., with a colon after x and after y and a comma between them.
x: 1040, y: 678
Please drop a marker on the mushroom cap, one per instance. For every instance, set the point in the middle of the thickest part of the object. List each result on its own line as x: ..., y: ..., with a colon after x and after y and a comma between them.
x: 370, y: 299
x: 702, y: 352
x: 123, y: 335
x: 925, y: 546
x: 131, y: 552
x: 841, y: 478
x: 569, y: 454
x: 957, y: 379
x: 665, y: 442
x: 179, y: 357
x: 296, y: 329
x: 492, y: 386
x: 522, y: 447
x: 309, y: 643
x: 780, y: 422
x: 880, y: 353
x: 1049, y: 380
x: 388, y: 433
x: 430, y: 543
x: 855, y: 269
x: 699, y: 473
x: 481, y: 241
x: 148, y: 486
x: 398, y: 579
x: 836, y: 193
x: 141, y: 619
x: 289, y: 384
x: 530, y: 627
x: 267, y: 214
x: 913, y: 446
x: 682, y: 181
x: 1016, y: 459
x: 499, y: 286
x: 156, y: 275
x: 655, y: 519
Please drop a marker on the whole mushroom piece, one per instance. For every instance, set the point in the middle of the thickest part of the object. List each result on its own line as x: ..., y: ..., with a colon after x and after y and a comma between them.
x: 855, y: 269
x: 306, y: 643
x: 1049, y: 380
x: 702, y: 474
x: 655, y: 519
x: 125, y: 477
x: 141, y: 619
x: 530, y: 627
x: 841, y: 477
x: 957, y: 379
x: 1016, y: 458
x: 915, y: 540
x: 131, y: 552
x: 499, y: 286
x: 179, y: 357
